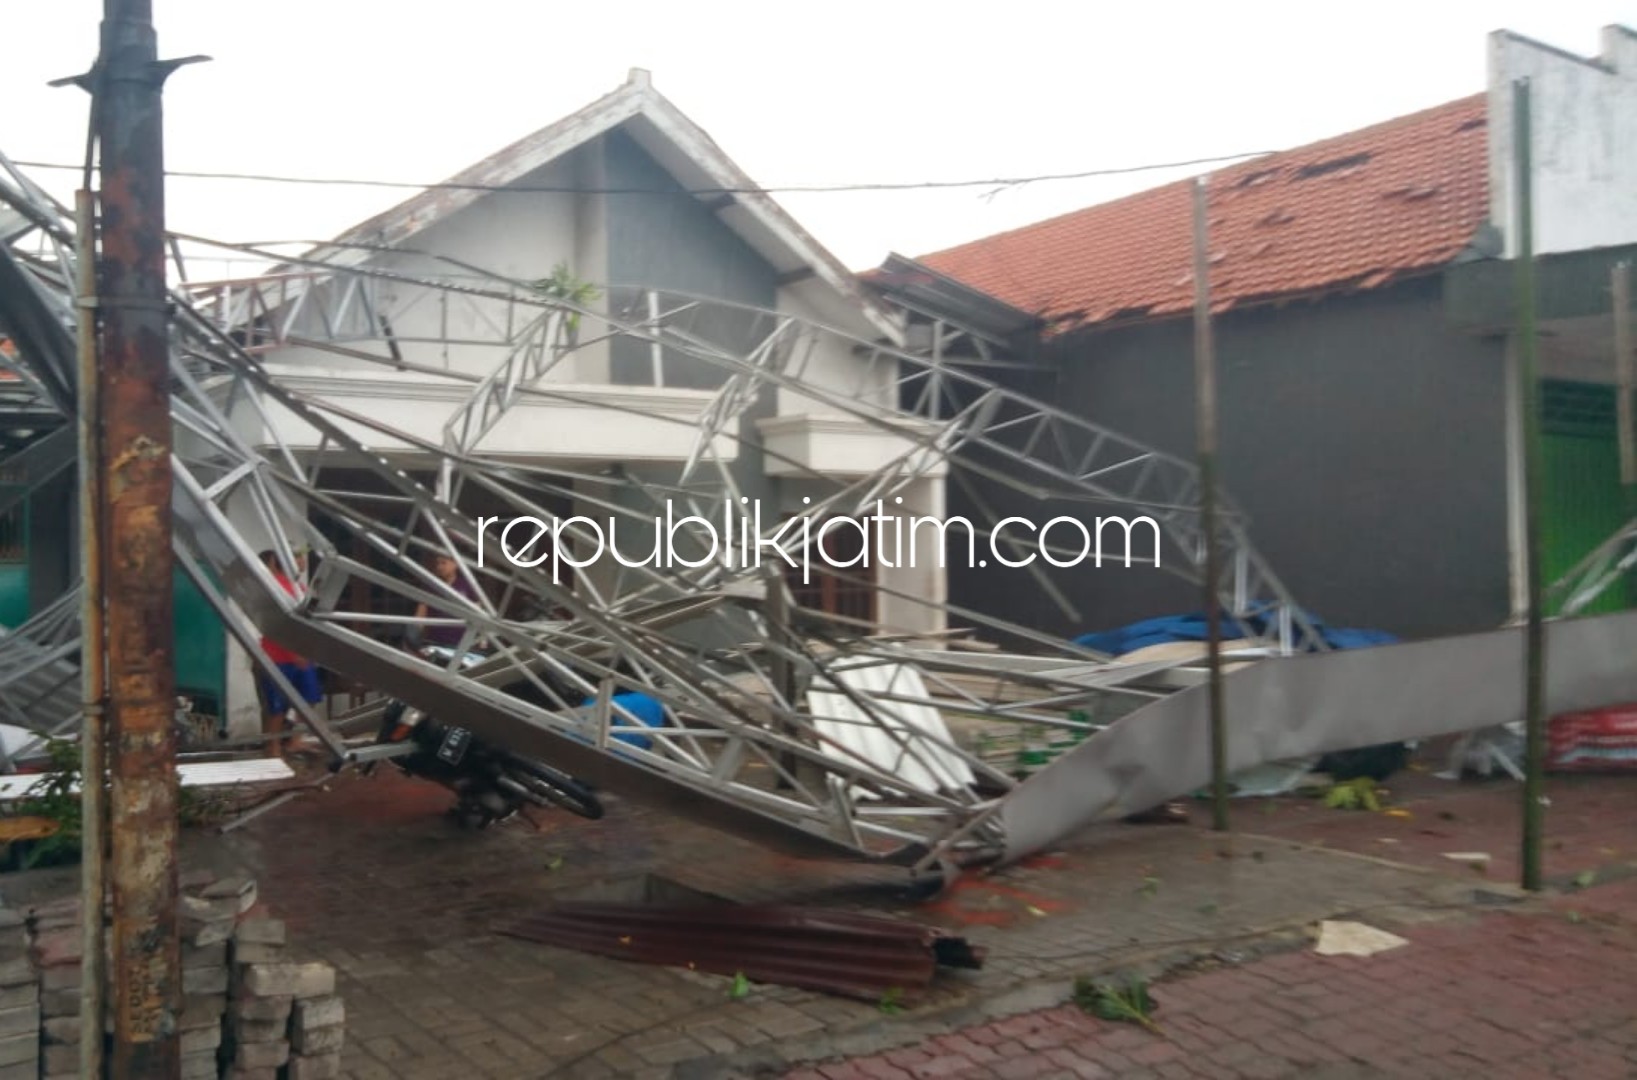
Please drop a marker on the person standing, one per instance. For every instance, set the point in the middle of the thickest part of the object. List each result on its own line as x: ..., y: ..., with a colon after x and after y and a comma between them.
x: 448, y: 572
x: 301, y: 673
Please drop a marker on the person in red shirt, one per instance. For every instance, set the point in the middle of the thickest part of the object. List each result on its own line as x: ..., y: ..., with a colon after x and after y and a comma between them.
x: 301, y: 672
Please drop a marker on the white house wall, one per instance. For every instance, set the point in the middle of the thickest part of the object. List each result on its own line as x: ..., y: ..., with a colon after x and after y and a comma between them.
x: 1584, y: 120
x: 831, y: 365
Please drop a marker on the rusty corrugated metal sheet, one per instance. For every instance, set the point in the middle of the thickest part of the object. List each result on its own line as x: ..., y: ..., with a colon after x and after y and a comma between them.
x: 861, y: 956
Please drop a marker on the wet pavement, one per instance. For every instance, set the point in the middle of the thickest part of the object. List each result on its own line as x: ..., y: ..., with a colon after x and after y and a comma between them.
x: 372, y: 877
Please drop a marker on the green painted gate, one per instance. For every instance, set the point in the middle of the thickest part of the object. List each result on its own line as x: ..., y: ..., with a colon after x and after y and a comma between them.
x: 1583, y: 502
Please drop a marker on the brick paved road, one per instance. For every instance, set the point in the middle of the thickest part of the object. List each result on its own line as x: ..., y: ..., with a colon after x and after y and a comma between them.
x: 1503, y: 995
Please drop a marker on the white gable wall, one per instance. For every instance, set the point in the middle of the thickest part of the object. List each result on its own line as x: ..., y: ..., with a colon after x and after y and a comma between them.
x: 1584, y: 118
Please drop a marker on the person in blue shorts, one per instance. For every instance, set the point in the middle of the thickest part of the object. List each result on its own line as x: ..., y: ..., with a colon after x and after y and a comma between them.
x: 301, y: 672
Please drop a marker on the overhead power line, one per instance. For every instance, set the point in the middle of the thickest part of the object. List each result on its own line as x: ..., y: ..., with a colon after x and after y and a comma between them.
x: 1000, y: 182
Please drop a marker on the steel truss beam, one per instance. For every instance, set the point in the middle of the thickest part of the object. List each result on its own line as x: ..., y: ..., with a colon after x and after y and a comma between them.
x: 742, y: 746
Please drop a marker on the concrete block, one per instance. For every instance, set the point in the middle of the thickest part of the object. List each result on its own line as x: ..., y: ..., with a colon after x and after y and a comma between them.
x: 56, y: 914
x: 200, y: 909
x: 22, y: 1070
x: 314, y: 1067
x: 238, y: 1072
x: 251, y: 953
x: 59, y: 1002
x: 204, y: 931
x: 211, y: 980
x: 201, y: 1040
x: 268, y: 1055
x: 240, y: 889
x: 201, y: 1011
x: 60, y: 978
x: 19, y: 1048
x: 318, y: 1012
x: 61, y: 1030
x: 204, y: 956
x: 195, y: 880
x: 289, y: 980
x: 61, y: 1059
x: 14, y: 996
x: 16, y: 973
x: 258, y: 1031
x: 261, y: 1009
x: 11, y: 919
x: 324, y: 1040
x: 260, y: 932
x: 20, y: 1020
x: 200, y: 1066
x: 55, y: 948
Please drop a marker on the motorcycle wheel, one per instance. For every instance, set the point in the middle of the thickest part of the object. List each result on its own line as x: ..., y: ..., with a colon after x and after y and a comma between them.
x: 546, y: 786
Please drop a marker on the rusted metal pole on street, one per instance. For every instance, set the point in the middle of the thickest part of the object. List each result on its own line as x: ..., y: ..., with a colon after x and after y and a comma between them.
x: 1624, y: 379
x: 133, y: 404
x: 93, y: 692
x: 1205, y: 425
x: 1534, y: 679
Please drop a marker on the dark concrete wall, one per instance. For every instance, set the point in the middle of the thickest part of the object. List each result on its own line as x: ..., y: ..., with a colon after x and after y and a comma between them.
x: 1363, y: 437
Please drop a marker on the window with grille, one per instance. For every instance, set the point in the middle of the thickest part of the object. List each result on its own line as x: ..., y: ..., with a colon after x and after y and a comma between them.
x: 845, y: 586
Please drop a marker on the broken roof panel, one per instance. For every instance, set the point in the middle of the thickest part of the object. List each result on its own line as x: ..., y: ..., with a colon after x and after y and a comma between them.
x: 1355, y: 211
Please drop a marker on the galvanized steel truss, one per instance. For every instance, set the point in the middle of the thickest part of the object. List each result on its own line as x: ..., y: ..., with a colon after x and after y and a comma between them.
x: 717, y: 644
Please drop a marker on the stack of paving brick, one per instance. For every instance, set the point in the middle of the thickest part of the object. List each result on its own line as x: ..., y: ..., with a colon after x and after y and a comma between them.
x: 19, y: 1002
x: 209, y: 910
x: 284, y: 1019
x: 56, y: 946
x: 248, y: 1013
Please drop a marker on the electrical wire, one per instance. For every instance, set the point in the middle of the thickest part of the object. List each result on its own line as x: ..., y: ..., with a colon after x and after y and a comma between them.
x: 998, y: 183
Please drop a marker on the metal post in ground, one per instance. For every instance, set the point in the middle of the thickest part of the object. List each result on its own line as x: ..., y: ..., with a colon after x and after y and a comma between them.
x: 1534, y: 684
x: 1624, y: 379
x: 93, y: 734
x: 134, y: 467
x: 1205, y: 422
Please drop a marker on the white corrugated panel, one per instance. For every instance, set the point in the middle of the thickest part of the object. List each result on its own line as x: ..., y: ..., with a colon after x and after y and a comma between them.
x: 908, y: 741
x: 191, y: 774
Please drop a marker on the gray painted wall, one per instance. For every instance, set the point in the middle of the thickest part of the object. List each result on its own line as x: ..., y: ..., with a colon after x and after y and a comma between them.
x: 672, y: 241
x: 1364, y: 439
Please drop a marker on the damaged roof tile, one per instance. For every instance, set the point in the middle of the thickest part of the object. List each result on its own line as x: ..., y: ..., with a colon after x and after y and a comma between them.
x: 1365, y: 207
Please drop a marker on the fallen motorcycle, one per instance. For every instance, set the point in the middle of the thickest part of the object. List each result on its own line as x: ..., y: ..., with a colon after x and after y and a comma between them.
x: 489, y: 782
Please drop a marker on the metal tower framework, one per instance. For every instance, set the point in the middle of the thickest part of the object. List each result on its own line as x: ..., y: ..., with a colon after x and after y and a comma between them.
x: 736, y: 667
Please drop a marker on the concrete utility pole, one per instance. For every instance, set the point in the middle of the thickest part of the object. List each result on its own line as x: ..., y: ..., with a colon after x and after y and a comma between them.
x: 1205, y: 422
x: 133, y: 470
x: 1534, y: 678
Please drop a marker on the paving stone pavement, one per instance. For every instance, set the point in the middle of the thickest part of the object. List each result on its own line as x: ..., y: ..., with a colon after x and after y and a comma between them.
x: 1501, y: 995
x: 370, y: 877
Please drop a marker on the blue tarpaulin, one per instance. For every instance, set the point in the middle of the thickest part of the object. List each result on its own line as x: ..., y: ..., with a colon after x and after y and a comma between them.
x: 1191, y: 627
x: 647, y: 711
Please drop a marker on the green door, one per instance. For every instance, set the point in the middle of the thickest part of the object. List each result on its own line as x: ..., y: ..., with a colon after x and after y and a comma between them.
x: 201, y: 648
x: 1583, y: 502
x: 14, y: 602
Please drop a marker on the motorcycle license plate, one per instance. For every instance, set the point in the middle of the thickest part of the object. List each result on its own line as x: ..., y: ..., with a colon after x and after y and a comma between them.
x: 455, y: 742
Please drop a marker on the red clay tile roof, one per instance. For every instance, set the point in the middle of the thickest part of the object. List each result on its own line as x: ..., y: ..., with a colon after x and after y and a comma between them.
x: 1354, y: 211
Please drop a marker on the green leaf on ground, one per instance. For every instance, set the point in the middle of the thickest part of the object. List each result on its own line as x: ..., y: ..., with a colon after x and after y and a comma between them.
x: 1128, y: 1003
x: 1585, y: 879
x: 740, y: 988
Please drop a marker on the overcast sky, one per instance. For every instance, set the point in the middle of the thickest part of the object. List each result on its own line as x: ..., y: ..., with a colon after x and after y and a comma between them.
x: 819, y: 93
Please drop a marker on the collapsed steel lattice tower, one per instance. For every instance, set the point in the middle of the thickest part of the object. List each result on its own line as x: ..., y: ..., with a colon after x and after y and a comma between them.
x: 780, y: 724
